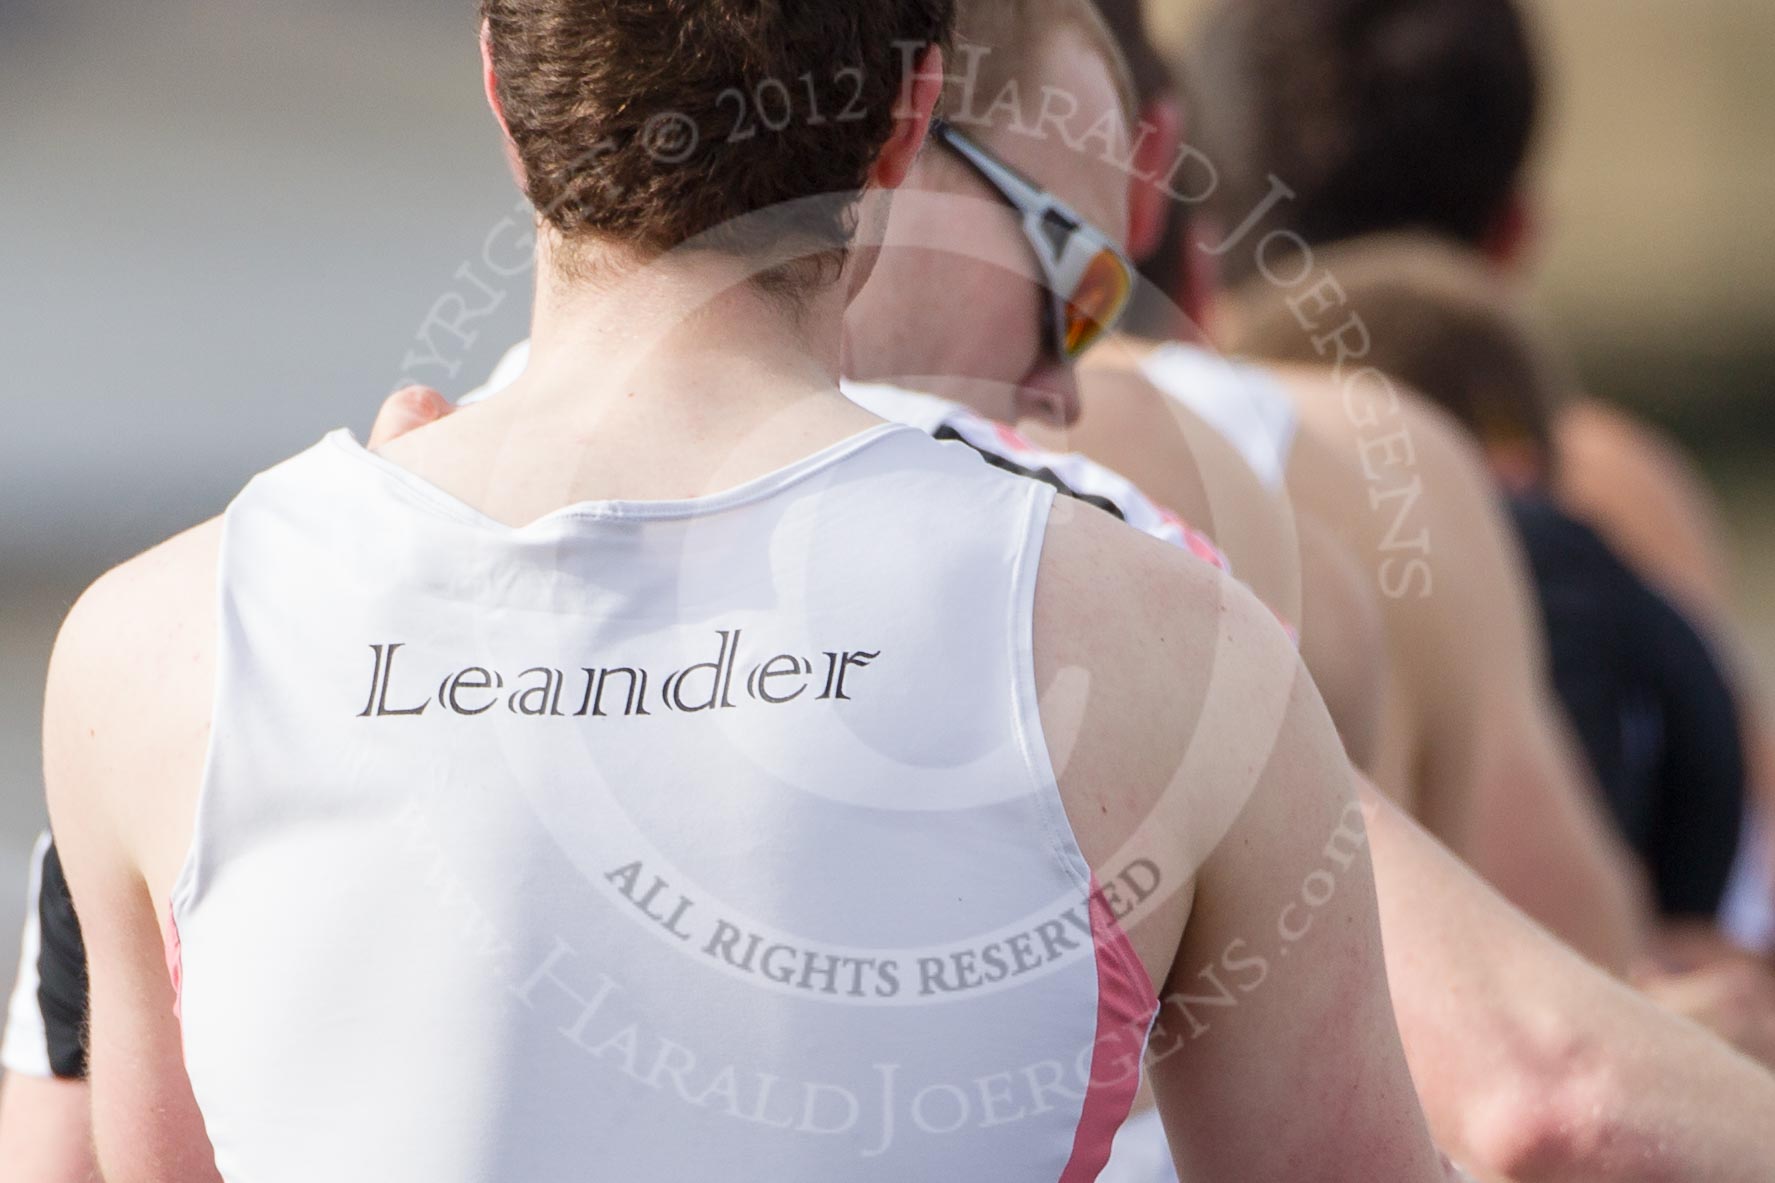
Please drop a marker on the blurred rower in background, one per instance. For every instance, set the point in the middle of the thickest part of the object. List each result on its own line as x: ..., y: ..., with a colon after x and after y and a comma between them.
x: 1469, y: 729
x: 1333, y: 119
x: 1654, y: 709
x: 1656, y: 713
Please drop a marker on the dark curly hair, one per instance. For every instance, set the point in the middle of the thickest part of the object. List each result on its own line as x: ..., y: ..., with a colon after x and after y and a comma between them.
x: 652, y: 123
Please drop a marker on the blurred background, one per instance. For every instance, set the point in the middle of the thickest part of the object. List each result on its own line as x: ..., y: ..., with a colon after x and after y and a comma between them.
x: 226, y: 227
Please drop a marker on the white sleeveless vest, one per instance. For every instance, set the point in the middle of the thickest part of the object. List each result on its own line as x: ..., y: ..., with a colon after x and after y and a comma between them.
x: 652, y: 841
x: 1242, y: 402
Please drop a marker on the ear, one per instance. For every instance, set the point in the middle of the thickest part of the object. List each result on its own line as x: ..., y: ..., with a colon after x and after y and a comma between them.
x: 1155, y: 153
x: 1514, y: 235
x: 490, y: 84
x: 912, y: 120
x: 490, y: 80
x: 1200, y: 270
x: 1520, y: 467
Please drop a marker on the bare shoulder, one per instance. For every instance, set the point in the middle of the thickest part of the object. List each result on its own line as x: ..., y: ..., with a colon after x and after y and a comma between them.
x: 1385, y: 425
x: 1643, y: 491
x: 1414, y: 471
x: 127, y: 706
x: 1595, y: 432
x: 147, y: 609
x: 1142, y: 652
x: 1090, y: 561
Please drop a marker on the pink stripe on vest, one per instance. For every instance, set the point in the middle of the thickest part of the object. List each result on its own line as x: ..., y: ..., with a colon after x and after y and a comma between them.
x: 175, y: 963
x: 1126, y: 1005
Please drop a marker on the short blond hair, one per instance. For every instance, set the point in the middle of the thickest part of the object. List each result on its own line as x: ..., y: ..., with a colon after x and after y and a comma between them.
x: 1436, y: 318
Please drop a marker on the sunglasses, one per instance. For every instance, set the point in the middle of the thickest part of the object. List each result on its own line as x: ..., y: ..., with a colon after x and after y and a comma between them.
x: 1089, y: 280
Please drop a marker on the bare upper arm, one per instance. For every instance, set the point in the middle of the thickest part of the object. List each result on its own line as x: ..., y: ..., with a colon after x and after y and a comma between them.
x: 1189, y: 732
x: 126, y: 720
x: 1280, y: 992
x: 1494, y: 774
x: 1398, y: 482
x: 1343, y: 639
x: 1535, y: 826
x: 1477, y: 654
